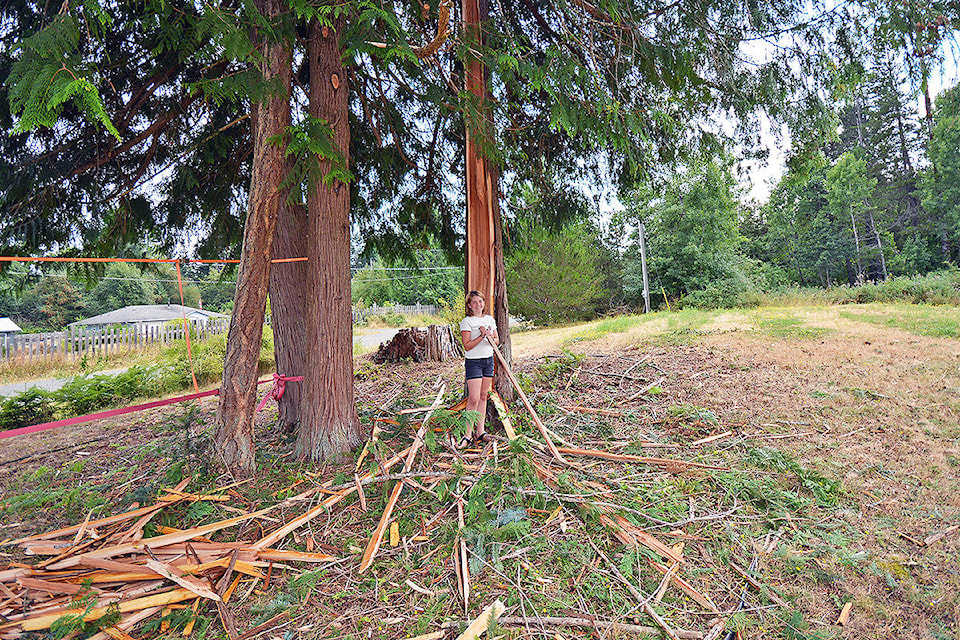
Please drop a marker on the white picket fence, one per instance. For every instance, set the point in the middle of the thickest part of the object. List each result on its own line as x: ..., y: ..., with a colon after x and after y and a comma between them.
x: 360, y: 315
x: 78, y: 341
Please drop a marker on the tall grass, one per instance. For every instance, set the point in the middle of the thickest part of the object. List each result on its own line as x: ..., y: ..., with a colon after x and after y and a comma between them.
x: 935, y: 288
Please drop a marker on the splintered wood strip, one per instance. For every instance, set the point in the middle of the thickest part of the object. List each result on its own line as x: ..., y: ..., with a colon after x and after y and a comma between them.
x: 83, y: 527
x: 700, y: 598
x: 129, y: 515
x: 360, y: 493
x: 233, y: 587
x: 269, y: 624
x: 9, y: 575
x: 188, y: 629
x: 159, y: 600
x: 501, y: 408
x: 666, y: 463
x: 542, y: 428
x: 112, y: 565
x: 649, y: 541
x: 158, y: 541
x: 753, y: 582
x: 323, y: 507
x: 128, y: 622
x: 462, y: 563
x: 374, y: 544
x: 366, y: 446
x: 226, y: 618
x: 7, y: 593
x: 712, y: 438
x: 187, y: 582
x: 193, y: 497
x: 119, y: 578
x: 929, y: 540
x: 239, y: 566
x: 482, y: 621
x: 51, y: 587
x: 135, y: 532
x: 294, y: 556
x: 593, y: 623
x: 845, y: 614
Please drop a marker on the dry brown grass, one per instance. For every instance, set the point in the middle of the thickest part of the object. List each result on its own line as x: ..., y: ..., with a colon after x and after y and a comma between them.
x: 874, y: 407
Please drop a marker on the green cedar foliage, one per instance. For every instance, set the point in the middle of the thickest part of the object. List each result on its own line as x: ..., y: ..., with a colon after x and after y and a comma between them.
x: 577, y: 89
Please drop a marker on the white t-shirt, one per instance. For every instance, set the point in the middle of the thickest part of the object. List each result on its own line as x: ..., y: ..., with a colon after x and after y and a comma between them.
x: 473, y: 324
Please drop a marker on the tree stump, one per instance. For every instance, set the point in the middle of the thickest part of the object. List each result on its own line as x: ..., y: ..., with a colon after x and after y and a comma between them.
x: 436, y: 342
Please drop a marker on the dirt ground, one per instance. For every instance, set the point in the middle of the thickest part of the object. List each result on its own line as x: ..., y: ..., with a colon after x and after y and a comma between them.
x: 872, y: 408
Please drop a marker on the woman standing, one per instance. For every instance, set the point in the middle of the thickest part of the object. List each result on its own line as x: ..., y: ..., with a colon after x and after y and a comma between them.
x: 475, y: 329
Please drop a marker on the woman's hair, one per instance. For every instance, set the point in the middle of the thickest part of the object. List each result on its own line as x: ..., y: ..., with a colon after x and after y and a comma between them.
x: 470, y: 296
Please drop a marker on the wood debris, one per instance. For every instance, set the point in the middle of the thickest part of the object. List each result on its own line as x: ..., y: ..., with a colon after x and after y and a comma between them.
x: 107, y: 564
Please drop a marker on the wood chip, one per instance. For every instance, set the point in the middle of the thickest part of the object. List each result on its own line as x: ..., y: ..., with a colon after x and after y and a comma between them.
x: 845, y: 614
x: 479, y: 625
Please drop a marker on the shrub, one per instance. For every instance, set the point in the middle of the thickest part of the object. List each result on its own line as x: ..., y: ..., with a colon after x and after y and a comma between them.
x: 33, y: 406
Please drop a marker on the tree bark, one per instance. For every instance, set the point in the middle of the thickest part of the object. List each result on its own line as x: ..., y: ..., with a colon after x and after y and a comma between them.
x: 501, y: 311
x: 233, y: 440
x: 479, y: 187
x: 329, y: 425
x: 288, y: 283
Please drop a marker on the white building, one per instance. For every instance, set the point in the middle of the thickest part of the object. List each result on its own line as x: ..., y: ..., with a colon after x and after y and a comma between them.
x: 8, y: 327
x: 147, y: 316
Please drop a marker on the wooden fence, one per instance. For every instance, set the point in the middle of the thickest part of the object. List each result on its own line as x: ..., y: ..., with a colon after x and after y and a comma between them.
x: 78, y: 341
x: 361, y: 315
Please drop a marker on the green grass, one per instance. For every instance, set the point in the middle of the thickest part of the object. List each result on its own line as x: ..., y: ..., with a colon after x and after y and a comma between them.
x: 780, y: 323
x: 922, y: 320
x: 616, y: 324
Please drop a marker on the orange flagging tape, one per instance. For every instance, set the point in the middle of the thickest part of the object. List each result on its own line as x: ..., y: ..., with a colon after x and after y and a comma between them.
x: 51, y: 259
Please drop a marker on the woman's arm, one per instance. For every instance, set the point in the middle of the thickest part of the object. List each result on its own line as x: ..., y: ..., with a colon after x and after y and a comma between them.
x: 467, y: 342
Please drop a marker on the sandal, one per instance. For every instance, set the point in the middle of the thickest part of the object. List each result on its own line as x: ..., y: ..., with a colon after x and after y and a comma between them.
x: 463, y: 443
x: 483, y: 437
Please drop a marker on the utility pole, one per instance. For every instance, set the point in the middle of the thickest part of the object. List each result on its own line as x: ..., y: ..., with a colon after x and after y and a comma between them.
x: 643, y: 267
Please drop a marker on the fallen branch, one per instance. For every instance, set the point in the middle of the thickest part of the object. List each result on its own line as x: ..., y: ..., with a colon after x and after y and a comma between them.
x: 377, y: 536
x: 526, y: 402
x: 594, y: 623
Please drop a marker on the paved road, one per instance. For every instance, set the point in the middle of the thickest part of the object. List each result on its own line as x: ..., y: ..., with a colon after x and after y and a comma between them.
x: 50, y: 384
x: 374, y: 338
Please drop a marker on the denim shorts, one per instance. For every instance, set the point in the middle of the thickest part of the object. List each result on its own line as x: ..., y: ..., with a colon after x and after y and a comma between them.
x: 479, y: 367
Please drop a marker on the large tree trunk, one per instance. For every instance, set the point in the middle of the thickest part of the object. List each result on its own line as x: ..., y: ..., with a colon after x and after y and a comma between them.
x: 233, y: 440
x: 329, y: 425
x: 288, y: 281
x: 479, y: 185
x: 485, y: 270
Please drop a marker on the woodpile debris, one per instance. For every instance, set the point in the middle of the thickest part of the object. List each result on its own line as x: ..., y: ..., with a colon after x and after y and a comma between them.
x: 107, y: 569
x: 436, y: 342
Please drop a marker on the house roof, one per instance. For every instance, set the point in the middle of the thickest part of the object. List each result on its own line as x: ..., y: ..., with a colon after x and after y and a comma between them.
x: 148, y: 313
x: 7, y: 325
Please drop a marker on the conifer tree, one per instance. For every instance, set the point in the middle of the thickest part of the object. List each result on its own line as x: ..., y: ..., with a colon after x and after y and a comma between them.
x: 161, y: 96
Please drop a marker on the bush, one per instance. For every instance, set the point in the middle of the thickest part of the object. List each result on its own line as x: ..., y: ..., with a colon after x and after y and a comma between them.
x: 34, y: 406
x: 557, y: 277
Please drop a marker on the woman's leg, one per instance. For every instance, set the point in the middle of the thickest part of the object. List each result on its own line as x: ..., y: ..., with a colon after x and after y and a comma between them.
x: 474, y: 386
x: 482, y: 405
